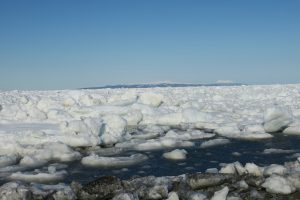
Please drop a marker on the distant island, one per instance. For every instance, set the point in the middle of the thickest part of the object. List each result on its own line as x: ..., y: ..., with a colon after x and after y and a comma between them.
x: 152, y: 85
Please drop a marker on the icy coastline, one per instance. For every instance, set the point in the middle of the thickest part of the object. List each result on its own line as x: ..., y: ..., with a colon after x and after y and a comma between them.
x: 232, y: 182
x: 39, y: 128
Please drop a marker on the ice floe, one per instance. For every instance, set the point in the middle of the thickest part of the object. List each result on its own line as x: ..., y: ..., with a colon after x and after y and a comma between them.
x: 39, y: 127
x: 40, y: 177
x: 101, y: 161
x: 177, y: 154
x: 277, y: 119
x: 214, y: 142
x: 278, y: 185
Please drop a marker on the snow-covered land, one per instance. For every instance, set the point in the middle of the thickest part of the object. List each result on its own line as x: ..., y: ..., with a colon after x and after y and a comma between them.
x: 38, y: 128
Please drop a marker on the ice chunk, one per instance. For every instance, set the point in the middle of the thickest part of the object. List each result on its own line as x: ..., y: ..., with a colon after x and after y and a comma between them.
x: 49, y: 152
x: 228, y: 169
x: 295, y: 180
x: 228, y: 131
x: 36, y: 114
x: 275, y: 169
x: 177, y: 154
x: 145, y: 136
x: 248, y: 133
x: 221, y: 194
x: 8, y: 160
x: 278, y: 185
x: 75, y: 126
x: 114, y: 129
x: 276, y: 119
x: 239, y: 168
x: 272, y: 150
x: 253, y: 169
x: 124, y: 196
x: 173, y: 196
x: 133, y: 117
x: 214, y: 142
x: 69, y: 102
x: 151, y: 99
x: 57, y: 114
x: 292, y: 129
x: 197, y: 196
x: 242, y: 184
x: 168, y: 119
x: 233, y: 168
x: 212, y: 170
x: 98, y: 161
x: 189, y: 135
x: 192, y: 115
x: 13, y: 191
x: 39, y: 177
x: 162, y: 144
x: 32, y: 161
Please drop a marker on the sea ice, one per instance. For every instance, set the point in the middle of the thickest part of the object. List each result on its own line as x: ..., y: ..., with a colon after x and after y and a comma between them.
x: 278, y: 185
x: 276, y: 119
x: 221, y: 194
x: 177, y: 154
x: 39, y: 177
x: 98, y: 161
x: 272, y: 150
x: 114, y: 129
x: 214, y: 142
x: 8, y: 160
x: 253, y: 169
x: 274, y: 169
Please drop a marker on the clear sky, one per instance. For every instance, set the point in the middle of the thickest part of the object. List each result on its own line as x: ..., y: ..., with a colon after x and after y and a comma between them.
x: 60, y: 44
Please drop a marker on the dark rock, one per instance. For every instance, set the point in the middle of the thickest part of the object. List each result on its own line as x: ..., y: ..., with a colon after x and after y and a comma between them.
x: 199, y: 181
x: 254, y: 181
x: 103, y: 188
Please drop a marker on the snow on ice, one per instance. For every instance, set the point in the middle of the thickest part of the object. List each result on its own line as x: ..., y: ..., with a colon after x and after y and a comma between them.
x: 38, y: 127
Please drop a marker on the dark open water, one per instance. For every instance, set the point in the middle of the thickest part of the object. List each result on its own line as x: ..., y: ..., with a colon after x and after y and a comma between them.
x: 198, y: 159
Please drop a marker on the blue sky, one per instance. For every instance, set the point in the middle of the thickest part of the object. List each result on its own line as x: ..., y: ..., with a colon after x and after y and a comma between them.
x: 60, y: 44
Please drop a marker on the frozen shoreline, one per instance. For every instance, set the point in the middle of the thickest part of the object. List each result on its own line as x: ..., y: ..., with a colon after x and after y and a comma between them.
x: 233, y: 181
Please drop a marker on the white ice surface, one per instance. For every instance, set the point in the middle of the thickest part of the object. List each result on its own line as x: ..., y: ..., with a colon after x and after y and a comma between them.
x: 39, y: 177
x: 221, y: 194
x: 278, y: 185
x: 214, y: 142
x: 32, y: 120
x: 100, y: 161
x: 277, y: 151
x: 177, y: 154
x: 276, y: 119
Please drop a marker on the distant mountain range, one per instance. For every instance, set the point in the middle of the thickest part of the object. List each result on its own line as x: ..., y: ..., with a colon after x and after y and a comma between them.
x: 163, y: 85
